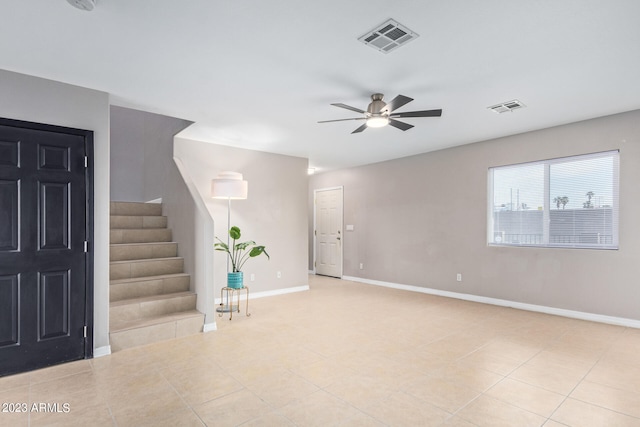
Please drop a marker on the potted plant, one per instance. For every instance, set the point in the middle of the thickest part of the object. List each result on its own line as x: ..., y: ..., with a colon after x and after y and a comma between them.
x: 239, y: 254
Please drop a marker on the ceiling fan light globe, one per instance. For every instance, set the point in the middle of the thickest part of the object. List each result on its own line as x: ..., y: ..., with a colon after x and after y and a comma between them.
x: 377, y: 122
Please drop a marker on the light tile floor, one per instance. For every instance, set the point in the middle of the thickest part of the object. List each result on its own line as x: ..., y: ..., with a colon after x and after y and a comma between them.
x: 348, y: 354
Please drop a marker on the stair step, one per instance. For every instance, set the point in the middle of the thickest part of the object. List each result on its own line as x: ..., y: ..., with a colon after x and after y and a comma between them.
x: 137, y: 221
x: 135, y: 208
x: 145, y: 267
x: 132, y: 251
x: 139, y: 287
x: 155, y: 329
x: 145, y: 235
x: 152, y: 306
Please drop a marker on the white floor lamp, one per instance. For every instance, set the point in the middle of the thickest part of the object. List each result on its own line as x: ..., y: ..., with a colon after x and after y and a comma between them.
x: 228, y: 185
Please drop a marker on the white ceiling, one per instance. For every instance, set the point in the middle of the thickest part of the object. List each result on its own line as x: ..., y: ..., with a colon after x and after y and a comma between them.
x: 260, y: 74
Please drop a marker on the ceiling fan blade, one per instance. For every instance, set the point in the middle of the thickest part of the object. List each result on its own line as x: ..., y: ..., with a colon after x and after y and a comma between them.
x: 341, y: 120
x: 400, y: 125
x: 397, y: 102
x: 424, y: 113
x: 360, y: 129
x: 348, y: 107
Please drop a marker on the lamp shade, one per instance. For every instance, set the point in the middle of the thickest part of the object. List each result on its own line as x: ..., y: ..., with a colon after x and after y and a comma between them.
x: 229, y: 185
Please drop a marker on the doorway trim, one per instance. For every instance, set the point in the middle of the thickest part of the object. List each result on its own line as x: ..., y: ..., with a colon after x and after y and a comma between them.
x: 315, y: 192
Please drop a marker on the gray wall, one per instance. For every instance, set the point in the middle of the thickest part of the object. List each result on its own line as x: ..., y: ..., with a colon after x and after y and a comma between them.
x: 142, y: 169
x: 38, y: 100
x: 142, y: 154
x: 421, y: 220
x: 274, y: 215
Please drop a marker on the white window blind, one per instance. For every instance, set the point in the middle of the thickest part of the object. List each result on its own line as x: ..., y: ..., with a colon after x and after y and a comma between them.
x: 567, y: 202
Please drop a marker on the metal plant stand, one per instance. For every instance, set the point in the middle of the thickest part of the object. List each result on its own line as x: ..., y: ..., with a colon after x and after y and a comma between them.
x: 226, y: 301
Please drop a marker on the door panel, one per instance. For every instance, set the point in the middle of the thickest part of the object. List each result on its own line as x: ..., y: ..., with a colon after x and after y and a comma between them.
x: 44, y: 272
x: 54, y: 216
x: 9, y: 293
x: 53, y: 304
x: 9, y: 153
x: 53, y: 158
x: 9, y: 215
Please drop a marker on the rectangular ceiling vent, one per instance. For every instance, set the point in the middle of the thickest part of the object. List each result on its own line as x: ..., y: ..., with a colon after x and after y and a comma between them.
x: 507, y: 106
x: 388, y: 36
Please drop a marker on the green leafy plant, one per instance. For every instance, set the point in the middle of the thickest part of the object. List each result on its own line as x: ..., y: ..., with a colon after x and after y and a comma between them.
x: 240, y: 253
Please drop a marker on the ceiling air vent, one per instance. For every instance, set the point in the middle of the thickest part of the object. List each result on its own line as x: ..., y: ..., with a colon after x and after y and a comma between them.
x: 507, y: 106
x: 388, y: 36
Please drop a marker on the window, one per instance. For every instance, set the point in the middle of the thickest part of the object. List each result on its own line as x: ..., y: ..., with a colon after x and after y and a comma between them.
x: 571, y: 202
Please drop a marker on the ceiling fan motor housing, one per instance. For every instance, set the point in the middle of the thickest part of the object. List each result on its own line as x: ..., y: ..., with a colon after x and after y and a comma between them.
x: 376, y: 105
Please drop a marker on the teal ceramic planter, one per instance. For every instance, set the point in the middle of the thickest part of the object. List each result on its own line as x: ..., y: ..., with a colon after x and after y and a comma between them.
x: 235, y: 280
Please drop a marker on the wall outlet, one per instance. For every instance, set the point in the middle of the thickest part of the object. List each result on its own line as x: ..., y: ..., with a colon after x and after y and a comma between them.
x: 279, y: 275
x: 361, y: 266
x: 459, y: 277
x: 253, y: 277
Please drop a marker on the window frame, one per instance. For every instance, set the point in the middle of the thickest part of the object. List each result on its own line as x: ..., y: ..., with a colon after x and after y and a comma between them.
x: 546, y: 220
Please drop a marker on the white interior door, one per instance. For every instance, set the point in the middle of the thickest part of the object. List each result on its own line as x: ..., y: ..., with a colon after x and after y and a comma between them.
x: 328, y: 230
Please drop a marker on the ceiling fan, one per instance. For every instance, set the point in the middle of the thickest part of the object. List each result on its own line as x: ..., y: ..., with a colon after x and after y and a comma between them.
x: 380, y: 113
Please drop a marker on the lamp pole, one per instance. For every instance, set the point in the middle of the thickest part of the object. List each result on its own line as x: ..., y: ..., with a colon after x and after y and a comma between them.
x: 228, y: 227
x: 229, y: 185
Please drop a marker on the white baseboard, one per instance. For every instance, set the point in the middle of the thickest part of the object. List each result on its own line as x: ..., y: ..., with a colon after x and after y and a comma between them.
x: 209, y: 327
x: 155, y: 200
x: 612, y: 320
x: 102, y: 351
x: 254, y: 295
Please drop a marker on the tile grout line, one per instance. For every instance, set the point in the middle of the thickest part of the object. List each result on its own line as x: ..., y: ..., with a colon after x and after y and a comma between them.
x: 159, y: 371
x: 504, y: 377
x: 580, y: 382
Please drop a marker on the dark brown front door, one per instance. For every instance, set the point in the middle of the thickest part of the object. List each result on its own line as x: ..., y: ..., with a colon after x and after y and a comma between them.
x: 45, y: 279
